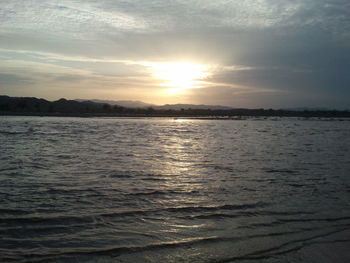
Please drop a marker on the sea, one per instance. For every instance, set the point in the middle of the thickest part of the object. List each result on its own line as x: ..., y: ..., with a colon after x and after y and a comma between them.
x: 174, y: 190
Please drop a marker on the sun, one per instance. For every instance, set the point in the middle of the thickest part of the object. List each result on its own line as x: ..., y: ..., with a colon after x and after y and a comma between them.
x: 180, y: 76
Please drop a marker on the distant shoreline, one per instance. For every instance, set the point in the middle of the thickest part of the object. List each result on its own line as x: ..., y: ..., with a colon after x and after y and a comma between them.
x: 24, y: 106
x: 175, y: 116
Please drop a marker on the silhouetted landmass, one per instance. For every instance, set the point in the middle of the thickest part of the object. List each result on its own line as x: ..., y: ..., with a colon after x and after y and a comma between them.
x: 122, y: 103
x: 191, y: 106
x: 63, y: 107
x: 140, y: 104
x: 34, y: 105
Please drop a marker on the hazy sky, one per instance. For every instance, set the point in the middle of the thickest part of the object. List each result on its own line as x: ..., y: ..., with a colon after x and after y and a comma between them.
x: 246, y: 53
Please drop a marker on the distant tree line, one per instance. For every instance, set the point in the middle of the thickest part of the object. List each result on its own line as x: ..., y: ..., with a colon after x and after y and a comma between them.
x: 35, y: 106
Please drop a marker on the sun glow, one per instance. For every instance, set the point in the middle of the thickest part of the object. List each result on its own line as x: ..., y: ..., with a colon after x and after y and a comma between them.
x: 179, y: 76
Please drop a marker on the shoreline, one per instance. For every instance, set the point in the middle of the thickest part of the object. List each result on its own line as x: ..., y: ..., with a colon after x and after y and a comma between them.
x: 175, y: 116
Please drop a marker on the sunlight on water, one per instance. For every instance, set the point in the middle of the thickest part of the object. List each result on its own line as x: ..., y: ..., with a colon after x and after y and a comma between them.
x: 165, y: 190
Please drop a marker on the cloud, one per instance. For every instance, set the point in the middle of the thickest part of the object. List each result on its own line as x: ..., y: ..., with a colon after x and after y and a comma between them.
x: 24, y: 78
x: 272, y: 47
x: 75, y: 18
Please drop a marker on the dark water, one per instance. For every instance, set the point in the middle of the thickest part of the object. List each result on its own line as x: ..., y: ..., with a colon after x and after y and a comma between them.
x: 163, y: 190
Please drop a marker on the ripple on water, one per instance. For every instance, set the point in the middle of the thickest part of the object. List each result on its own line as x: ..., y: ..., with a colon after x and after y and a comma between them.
x: 158, y: 190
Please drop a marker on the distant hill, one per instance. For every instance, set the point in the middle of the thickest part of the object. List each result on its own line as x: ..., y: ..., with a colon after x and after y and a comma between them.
x: 307, y: 109
x: 122, y: 103
x: 30, y: 106
x: 140, y: 104
x: 35, y: 105
x: 191, y: 106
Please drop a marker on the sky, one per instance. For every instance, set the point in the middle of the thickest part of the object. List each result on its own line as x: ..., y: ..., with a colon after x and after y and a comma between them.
x: 246, y: 53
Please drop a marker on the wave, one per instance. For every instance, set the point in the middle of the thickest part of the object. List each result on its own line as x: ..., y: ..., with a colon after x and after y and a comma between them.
x: 284, y: 171
x: 275, y: 250
x: 13, y: 132
x: 90, y: 218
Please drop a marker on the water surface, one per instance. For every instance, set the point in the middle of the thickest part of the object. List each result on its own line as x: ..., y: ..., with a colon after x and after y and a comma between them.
x: 165, y: 190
